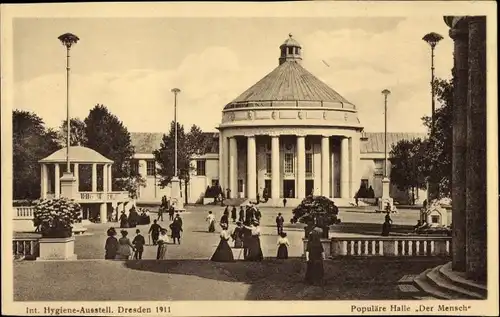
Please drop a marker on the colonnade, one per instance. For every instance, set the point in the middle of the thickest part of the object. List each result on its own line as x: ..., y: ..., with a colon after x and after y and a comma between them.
x: 228, y: 166
x: 46, y: 181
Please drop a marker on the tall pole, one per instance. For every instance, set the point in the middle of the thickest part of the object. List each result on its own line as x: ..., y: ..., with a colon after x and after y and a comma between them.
x: 175, y: 91
x: 68, y: 40
x: 385, y: 92
x: 432, y: 90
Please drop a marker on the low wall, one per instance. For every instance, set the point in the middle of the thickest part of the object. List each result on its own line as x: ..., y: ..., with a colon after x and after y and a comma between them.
x: 28, y: 248
x: 386, y: 246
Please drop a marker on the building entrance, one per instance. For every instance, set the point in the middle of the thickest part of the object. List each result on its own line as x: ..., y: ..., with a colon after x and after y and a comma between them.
x: 309, y: 187
x: 289, y: 188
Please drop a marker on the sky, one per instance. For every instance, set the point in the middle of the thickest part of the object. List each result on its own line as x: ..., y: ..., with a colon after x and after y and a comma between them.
x: 131, y: 64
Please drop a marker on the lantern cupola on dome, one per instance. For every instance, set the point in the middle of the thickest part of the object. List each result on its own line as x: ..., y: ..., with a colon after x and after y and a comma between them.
x: 290, y: 50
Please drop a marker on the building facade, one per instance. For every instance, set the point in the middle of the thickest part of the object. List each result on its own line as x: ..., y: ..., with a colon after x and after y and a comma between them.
x: 289, y: 135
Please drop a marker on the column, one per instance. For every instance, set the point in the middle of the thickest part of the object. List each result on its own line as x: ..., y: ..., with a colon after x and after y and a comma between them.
x: 233, y: 167
x: 354, y: 164
x: 103, y: 212
x: 301, y: 167
x: 458, y: 193
x: 105, y: 178
x: 344, y: 168
x: 275, y: 167
x: 76, y: 174
x: 94, y: 177
x: 251, y: 168
x: 57, y: 183
x: 325, y: 166
x: 110, y: 178
x: 222, y: 164
x: 476, y: 229
x: 143, y: 170
x: 43, y: 181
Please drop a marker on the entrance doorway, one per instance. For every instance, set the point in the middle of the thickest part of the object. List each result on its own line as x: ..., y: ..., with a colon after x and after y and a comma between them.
x: 309, y: 187
x: 289, y: 188
x: 267, y: 188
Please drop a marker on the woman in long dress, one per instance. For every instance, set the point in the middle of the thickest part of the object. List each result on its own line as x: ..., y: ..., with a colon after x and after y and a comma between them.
x: 211, y: 222
x: 283, y: 245
x: 254, y: 249
x: 125, y: 246
x: 314, y: 257
x: 123, y: 220
x: 223, y: 253
x: 161, y: 254
x: 111, y: 246
x: 238, y: 235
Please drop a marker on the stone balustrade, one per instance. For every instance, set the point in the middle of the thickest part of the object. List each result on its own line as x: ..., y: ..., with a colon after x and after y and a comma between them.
x: 102, y: 196
x: 27, y: 248
x: 24, y: 212
x: 386, y: 246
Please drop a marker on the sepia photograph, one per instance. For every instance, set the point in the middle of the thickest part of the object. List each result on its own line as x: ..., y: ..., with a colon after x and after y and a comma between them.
x: 261, y: 163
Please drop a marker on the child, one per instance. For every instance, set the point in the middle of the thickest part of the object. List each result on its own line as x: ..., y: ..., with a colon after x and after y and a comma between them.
x: 283, y: 245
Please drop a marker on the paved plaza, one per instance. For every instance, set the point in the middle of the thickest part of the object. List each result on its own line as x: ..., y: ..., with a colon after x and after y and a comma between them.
x: 188, y: 274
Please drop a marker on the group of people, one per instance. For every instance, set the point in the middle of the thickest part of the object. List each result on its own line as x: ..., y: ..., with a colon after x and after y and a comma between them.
x: 166, y: 207
x: 121, y: 249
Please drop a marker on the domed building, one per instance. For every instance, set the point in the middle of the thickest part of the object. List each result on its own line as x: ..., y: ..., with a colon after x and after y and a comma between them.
x: 287, y: 136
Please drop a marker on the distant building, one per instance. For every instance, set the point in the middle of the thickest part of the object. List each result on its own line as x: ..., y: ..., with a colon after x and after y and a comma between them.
x: 289, y: 134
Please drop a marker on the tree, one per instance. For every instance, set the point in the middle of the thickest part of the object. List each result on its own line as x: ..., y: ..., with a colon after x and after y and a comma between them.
x: 408, y: 166
x: 438, y: 148
x: 31, y: 143
x: 188, y: 145
x: 107, y: 135
x: 316, y: 210
x: 77, y: 133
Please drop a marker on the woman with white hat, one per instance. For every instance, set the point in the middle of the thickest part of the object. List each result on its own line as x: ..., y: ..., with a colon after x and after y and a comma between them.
x: 254, y: 249
x: 223, y: 253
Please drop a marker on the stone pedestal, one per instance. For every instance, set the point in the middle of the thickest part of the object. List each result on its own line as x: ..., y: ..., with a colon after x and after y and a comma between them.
x: 57, y: 249
x: 176, y: 194
x: 103, y: 212
x: 382, y: 202
x: 68, y: 186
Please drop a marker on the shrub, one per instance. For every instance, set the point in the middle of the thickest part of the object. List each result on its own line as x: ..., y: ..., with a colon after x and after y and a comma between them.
x: 319, y: 208
x: 54, y: 217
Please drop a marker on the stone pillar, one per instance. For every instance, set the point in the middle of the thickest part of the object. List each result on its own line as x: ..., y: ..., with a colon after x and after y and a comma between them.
x: 76, y: 173
x: 233, y: 167
x: 344, y: 168
x: 105, y: 178
x: 57, y: 181
x: 354, y: 164
x: 43, y: 181
x: 460, y: 78
x: 103, y: 212
x: 325, y: 166
x: 94, y: 177
x: 476, y: 229
x: 110, y: 178
x: 222, y: 163
x: 301, y: 167
x: 143, y: 169
x: 275, y: 167
x: 251, y: 168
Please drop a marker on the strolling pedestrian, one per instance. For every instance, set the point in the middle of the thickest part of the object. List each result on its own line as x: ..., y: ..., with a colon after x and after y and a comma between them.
x: 161, y: 253
x: 315, y: 254
x: 283, y: 245
x: 125, y: 246
x: 211, y: 222
x: 171, y: 212
x: 233, y: 214
x: 176, y: 229
x: 284, y: 202
x: 111, y: 246
x: 154, y: 230
x: 279, y: 223
x: 238, y: 235
x: 138, y: 243
x: 241, y: 215
x: 223, y: 253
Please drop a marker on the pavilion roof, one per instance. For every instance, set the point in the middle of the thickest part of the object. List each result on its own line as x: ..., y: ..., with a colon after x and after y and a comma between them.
x: 77, y: 154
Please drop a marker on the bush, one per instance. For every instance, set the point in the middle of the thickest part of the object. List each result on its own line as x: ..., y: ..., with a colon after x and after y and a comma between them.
x: 319, y: 208
x: 54, y: 218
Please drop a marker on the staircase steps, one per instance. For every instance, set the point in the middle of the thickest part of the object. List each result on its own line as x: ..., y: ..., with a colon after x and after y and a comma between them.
x: 441, y: 283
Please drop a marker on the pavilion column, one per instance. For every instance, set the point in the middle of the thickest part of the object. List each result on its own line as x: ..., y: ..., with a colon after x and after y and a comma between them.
x: 325, y: 166
x: 461, y: 78
x: 110, y: 178
x: 233, y: 167
x: 344, y: 168
x: 222, y: 163
x: 76, y: 174
x: 301, y: 167
x: 275, y: 167
x: 354, y: 164
x: 105, y: 178
x: 251, y: 168
x: 57, y: 182
x: 476, y: 233
x: 94, y: 177
x: 43, y: 181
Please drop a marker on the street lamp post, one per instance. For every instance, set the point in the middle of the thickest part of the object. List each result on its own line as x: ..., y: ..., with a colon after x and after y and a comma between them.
x: 386, y: 199
x: 176, y: 188
x: 432, y: 39
x: 68, y: 188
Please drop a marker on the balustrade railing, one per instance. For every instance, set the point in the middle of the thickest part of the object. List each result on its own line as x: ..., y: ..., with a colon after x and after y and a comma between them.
x: 393, y: 246
x: 99, y: 196
x: 27, y: 248
x: 24, y: 212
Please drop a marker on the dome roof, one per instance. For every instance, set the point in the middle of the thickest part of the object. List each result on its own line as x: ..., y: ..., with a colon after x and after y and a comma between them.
x: 290, y: 82
x: 77, y: 154
x: 290, y: 41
